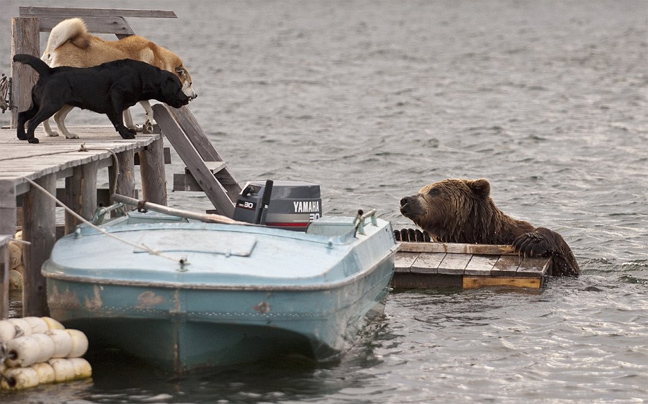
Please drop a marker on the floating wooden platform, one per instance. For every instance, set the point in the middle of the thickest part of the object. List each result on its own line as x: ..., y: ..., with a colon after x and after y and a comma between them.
x: 430, y: 265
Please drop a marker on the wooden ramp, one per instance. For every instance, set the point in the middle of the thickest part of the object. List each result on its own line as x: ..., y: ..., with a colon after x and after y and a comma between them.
x: 429, y: 265
x: 206, y: 171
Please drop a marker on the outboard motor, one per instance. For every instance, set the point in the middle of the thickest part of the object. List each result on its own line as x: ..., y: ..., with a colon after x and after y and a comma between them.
x: 287, y: 205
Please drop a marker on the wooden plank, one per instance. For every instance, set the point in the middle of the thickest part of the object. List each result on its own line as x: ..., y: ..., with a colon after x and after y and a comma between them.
x: 533, y: 267
x: 403, y: 262
x: 506, y: 265
x: 4, y: 275
x: 481, y: 265
x: 81, y: 194
x: 454, y: 264
x: 458, y: 248
x: 153, y: 175
x: 93, y: 12
x: 167, y: 156
x: 214, y: 190
x: 476, y: 282
x: 123, y: 182
x: 8, y: 206
x: 39, y: 225
x: 187, y: 121
x: 428, y: 263
x: 203, y: 145
x: 411, y: 280
x: 96, y: 25
x: 25, y: 39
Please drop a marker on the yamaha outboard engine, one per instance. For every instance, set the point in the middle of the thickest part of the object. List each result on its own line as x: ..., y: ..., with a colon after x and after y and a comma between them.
x: 288, y: 205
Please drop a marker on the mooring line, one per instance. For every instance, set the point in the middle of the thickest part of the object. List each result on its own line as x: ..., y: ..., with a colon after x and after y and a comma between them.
x: 151, y: 251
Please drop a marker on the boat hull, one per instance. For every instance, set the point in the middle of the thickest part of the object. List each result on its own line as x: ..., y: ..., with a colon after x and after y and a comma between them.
x: 182, y: 327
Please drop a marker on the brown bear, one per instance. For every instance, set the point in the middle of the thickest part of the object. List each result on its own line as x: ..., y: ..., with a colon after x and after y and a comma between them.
x: 462, y: 211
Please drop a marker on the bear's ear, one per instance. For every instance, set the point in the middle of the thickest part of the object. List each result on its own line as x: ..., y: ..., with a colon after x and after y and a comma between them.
x: 480, y: 187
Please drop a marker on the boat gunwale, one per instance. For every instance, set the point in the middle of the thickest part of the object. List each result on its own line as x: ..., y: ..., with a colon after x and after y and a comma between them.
x: 192, y: 286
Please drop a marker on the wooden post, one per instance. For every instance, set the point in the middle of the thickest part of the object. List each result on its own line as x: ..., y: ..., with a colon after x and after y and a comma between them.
x: 25, y: 39
x: 4, y: 276
x: 81, y: 194
x: 7, y: 206
x: 124, y: 182
x: 7, y: 229
x: 154, y: 186
x: 39, y: 227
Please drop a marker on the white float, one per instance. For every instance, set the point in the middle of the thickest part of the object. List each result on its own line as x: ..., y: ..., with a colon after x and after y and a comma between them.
x: 62, y: 342
x: 22, y: 327
x: 79, y: 343
x: 19, y: 378
x: 7, y: 331
x: 45, y: 372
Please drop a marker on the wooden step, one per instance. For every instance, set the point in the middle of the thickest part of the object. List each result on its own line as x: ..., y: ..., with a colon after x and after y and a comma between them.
x: 204, y: 165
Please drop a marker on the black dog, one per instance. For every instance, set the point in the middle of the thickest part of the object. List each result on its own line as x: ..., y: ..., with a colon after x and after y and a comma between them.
x: 109, y: 88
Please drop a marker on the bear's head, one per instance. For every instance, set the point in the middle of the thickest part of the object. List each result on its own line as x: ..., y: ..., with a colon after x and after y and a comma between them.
x: 456, y: 210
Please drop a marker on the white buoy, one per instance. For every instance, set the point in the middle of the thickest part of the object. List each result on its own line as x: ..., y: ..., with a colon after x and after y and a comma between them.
x: 7, y: 331
x: 22, y: 327
x: 79, y: 343
x: 45, y: 372
x: 19, y: 378
x: 82, y: 368
x: 63, y: 369
x: 37, y: 324
x: 62, y: 342
x: 53, y: 324
x: 24, y: 351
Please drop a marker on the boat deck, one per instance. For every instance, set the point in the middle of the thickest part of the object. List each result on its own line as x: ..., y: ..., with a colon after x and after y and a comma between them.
x: 429, y: 265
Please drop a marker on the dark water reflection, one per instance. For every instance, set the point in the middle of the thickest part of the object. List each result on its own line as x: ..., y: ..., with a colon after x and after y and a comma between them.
x: 372, y: 100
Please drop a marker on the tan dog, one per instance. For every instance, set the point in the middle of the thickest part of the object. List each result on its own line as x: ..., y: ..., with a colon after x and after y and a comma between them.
x: 70, y: 44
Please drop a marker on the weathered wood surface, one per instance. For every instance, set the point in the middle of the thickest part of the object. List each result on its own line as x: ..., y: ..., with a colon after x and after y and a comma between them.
x: 24, y: 39
x: 93, y: 12
x: 39, y: 227
x: 192, y: 145
x: 432, y: 265
x: 76, y: 161
x: 207, y: 151
x: 4, y: 274
x: 59, y: 155
x: 151, y: 161
x: 81, y: 194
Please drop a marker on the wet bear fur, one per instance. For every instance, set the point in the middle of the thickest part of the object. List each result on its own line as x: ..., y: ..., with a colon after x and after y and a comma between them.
x: 462, y: 211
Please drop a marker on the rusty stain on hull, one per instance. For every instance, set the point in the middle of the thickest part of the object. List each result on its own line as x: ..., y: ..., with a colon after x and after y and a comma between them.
x: 148, y: 299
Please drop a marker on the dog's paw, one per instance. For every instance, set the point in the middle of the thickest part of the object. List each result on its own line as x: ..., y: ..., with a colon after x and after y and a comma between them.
x: 148, y: 127
x: 127, y: 133
x: 33, y: 140
x: 71, y: 136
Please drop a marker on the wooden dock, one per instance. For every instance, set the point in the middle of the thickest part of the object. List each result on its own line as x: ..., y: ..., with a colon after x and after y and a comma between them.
x: 69, y: 168
x: 430, y: 265
x: 77, y: 162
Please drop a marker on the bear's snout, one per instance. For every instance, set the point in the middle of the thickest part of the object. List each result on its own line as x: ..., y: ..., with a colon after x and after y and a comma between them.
x: 410, y: 206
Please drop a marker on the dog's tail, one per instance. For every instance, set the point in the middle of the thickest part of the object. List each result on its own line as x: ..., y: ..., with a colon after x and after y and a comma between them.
x: 72, y: 29
x: 41, y: 67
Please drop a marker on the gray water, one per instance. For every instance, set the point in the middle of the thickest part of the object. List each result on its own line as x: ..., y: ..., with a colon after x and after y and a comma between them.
x: 548, y: 100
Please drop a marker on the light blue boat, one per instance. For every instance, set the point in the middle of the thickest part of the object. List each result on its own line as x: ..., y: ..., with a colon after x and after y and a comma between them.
x: 211, y: 294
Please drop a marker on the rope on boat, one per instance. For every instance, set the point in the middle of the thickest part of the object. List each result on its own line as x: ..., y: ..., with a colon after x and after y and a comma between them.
x: 149, y: 250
